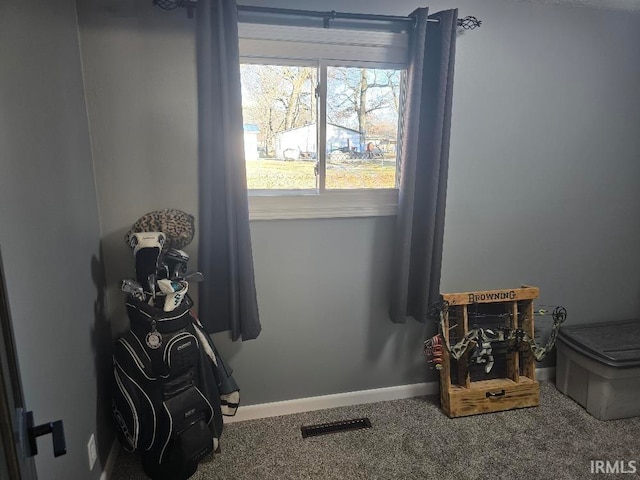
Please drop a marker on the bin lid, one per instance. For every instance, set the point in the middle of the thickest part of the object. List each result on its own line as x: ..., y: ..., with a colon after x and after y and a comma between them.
x: 614, y: 343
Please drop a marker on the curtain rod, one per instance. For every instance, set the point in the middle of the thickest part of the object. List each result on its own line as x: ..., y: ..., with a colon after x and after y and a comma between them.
x: 468, y: 23
x: 329, y: 15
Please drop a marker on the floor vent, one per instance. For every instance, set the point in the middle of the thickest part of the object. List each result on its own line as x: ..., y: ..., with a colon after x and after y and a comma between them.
x: 335, y: 427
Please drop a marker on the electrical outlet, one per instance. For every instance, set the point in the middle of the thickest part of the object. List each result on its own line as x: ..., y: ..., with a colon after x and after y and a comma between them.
x: 91, y: 450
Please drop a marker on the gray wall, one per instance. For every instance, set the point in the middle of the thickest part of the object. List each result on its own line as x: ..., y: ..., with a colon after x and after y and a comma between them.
x: 544, y: 157
x: 49, y: 231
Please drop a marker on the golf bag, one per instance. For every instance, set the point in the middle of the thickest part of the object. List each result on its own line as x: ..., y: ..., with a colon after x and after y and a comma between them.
x: 171, y: 386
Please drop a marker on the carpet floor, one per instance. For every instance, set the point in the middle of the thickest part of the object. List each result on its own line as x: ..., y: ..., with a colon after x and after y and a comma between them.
x: 413, y: 439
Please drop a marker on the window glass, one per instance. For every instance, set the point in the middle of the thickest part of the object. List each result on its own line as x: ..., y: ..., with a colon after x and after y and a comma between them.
x: 363, y: 107
x: 281, y: 109
x: 280, y: 129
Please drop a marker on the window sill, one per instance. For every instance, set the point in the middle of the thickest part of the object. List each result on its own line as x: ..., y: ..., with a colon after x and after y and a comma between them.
x: 343, y: 204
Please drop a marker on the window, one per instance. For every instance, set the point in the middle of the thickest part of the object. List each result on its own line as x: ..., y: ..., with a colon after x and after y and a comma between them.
x: 362, y: 127
x: 279, y: 111
x: 321, y: 111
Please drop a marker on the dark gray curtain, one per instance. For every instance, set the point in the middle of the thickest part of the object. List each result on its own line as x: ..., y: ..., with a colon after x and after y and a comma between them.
x: 227, y: 297
x: 424, y: 166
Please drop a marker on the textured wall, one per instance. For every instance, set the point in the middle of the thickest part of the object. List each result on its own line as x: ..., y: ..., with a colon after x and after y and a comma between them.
x: 541, y: 187
x: 49, y: 232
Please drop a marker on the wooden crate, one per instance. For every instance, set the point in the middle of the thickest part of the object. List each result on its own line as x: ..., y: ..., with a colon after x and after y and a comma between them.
x: 515, y: 385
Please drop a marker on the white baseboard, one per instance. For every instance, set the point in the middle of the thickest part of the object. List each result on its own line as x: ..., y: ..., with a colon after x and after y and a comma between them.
x: 111, y: 461
x: 300, y: 405
x: 264, y: 410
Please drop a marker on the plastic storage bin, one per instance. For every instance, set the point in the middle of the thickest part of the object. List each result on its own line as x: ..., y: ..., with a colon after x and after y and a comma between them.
x: 598, y: 365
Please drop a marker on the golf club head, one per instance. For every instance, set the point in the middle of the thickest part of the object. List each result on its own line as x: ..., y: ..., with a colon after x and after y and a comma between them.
x: 194, y: 277
x: 176, y: 261
x: 163, y: 270
x: 133, y: 288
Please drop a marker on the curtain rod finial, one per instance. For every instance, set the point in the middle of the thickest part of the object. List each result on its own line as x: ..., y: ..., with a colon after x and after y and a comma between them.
x: 469, y: 22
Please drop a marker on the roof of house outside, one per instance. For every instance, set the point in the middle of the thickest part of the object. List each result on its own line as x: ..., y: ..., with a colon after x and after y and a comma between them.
x: 251, y: 127
x: 313, y: 124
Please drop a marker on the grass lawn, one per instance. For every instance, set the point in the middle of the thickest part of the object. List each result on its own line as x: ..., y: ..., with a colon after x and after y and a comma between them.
x: 293, y: 175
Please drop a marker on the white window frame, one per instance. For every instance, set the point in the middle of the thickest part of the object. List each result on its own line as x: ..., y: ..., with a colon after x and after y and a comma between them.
x: 307, y: 46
